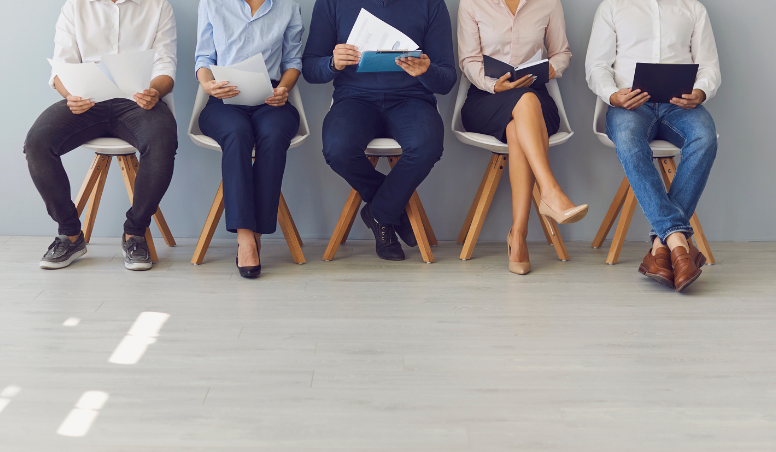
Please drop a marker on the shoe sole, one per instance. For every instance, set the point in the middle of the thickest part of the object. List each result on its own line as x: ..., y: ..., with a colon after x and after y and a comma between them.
x: 657, y: 278
x: 138, y: 267
x: 689, y: 281
x: 574, y: 218
x: 63, y: 264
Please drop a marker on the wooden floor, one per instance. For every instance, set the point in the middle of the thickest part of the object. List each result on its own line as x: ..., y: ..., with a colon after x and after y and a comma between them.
x: 361, y: 354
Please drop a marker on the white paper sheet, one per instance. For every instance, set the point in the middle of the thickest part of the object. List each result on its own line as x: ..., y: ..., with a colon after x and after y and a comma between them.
x: 536, y: 59
x: 131, y: 72
x: 251, y: 79
x: 86, y: 81
x: 370, y: 34
x: 117, y: 76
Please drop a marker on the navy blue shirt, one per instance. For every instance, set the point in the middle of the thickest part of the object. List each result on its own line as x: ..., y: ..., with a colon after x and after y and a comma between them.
x: 427, y: 22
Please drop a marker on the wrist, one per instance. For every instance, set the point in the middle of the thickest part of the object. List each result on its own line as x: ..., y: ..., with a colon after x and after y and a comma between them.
x: 333, y: 66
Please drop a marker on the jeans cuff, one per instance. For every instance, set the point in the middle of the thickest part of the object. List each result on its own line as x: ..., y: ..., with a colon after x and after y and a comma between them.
x: 687, y: 230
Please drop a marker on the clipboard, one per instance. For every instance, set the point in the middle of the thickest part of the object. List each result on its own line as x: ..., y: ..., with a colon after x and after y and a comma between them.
x: 663, y: 82
x: 385, y: 60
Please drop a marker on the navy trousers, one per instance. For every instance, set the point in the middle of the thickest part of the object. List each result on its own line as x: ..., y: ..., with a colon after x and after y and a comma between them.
x: 410, y: 120
x: 251, y: 189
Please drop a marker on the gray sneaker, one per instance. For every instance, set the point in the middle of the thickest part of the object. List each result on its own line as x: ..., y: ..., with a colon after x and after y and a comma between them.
x: 62, y: 252
x: 136, y: 254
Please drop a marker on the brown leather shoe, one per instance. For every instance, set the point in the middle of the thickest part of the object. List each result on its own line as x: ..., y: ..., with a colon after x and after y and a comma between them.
x: 696, y: 255
x: 686, y: 271
x: 658, y: 267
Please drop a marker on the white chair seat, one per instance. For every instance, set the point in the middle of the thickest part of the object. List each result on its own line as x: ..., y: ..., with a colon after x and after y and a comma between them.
x: 491, y: 144
x: 383, y: 147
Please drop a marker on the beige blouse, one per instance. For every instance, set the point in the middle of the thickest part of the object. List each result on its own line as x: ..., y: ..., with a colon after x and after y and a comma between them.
x: 489, y: 27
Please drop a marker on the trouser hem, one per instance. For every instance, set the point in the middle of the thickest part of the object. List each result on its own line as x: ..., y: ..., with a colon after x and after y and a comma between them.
x: 687, y: 230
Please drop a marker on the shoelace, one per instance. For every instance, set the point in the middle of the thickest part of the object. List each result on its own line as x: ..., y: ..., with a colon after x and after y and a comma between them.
x: 385, y: 235
x: 132, y: 246
x: 58, y: 246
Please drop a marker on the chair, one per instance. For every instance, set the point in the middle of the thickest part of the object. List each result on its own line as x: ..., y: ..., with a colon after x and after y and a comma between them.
x: 498, y: 161
x: 390, y: 149
x: 625, y: 199
x: 91, y: 189
x: 287, y: 225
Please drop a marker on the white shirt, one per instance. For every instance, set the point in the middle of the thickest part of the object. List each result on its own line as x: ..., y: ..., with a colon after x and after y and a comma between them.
x: 89, y: 29
x: 626, y: 32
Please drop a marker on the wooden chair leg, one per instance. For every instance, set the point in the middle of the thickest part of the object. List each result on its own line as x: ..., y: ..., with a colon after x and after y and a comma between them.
x: 213, y: 217
x: 286, y: 222
x: 127, y: 170
x: 374, y: 161
x: 629, y: 206
x: 94, y: 200
x: 611, y: 215
x: 158, y: 217
x: 551, y: 227
x: 493, y: 176
x: 421, y: 234
x: 547, y: 233
x: 467, y: 223
x: 91, y: 179
x: 668, y: 171
x: 346, y: 219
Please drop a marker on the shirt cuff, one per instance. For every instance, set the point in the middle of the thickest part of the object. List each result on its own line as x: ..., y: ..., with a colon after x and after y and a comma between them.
x: 51, y: 80
x: 607, y: 94
x: 292, y: 65
x: 490, y: 85
x: 159, y: 72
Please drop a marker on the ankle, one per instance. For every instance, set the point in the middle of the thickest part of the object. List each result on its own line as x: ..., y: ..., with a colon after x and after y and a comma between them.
x: 676, y: 240
x: 74, y: 238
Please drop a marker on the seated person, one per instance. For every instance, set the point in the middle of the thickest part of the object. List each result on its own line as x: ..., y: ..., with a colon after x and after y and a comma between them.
x: 229, y: 32
x: 85, y: 31
x: 398, y: 105
x: 518, y: 113
x: 623, y: 35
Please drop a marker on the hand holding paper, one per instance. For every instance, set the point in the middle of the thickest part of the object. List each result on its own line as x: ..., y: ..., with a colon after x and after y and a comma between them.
x: 250, y: 78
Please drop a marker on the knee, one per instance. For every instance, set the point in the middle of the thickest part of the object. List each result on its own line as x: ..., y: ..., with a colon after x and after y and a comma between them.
x: 39, y: 143
x: 705, y: 143
x: 529, y: 102
x: 339, y: 152
x: 423, y: 151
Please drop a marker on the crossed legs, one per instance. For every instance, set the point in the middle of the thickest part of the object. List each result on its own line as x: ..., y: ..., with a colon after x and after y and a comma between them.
x: 529, y: 164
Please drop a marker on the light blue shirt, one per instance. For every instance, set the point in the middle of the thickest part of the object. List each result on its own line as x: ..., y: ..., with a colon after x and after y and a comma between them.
x: 227, y: 34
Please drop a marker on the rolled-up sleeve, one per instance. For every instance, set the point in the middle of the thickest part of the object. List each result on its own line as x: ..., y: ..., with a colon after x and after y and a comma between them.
x: 601, y: 54
x: 205, y: 55
x: 470, y: 49
x: 292, y: 42
x: 558, y: 50
x: 704, y: 53
x: 65, y: 43
x: 166, y: 44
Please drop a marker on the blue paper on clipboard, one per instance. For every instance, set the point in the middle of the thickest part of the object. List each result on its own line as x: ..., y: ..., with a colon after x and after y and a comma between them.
x: 384, y: 60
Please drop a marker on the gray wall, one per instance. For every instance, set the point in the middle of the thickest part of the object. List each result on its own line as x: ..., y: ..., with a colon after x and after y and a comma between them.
x: 736, y: 205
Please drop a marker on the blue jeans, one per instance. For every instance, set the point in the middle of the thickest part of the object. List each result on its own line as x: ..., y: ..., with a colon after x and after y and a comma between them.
x: 251, y: 189
x: 691, y: 130
x: 412, y: 121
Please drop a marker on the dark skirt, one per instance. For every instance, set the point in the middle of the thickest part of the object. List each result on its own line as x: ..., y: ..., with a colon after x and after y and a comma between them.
x: 489, y: 114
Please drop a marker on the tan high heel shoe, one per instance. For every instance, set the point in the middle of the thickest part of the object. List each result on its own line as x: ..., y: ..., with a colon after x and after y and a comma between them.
x: 519, y: 268
x: 566, y: 217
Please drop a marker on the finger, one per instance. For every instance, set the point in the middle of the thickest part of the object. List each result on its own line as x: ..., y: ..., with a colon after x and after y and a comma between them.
x: 631, y: 94
x: 504, y: 77
x: 346, y: 46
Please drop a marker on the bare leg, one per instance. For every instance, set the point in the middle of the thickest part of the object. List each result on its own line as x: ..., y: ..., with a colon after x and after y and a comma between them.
x: 258, y: 242
x: 247, y: 253
x: 522, y: 181
x: 656, y: 245
x: 677, y: 239
x: 532, y: 134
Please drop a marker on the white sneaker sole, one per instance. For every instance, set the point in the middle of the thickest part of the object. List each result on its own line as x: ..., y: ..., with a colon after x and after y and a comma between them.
x: 139, y: 267
x: 57, y: 265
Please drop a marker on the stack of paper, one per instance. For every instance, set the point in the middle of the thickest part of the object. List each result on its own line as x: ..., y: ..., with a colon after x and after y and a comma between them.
x: 117, y: 76
x: 251, y: 79
x: 371, y: 34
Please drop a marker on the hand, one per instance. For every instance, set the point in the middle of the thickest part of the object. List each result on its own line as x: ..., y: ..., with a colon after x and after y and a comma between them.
x: 552, y: 72
x: 629, y: 98
x: 147, y: 99
x: 219, y: 90
x: 79, y: 106
x: 503, y: 84
x: 415, y: 66
x: 280, y: 97
x: 690, y: 101
x: 345, y: 55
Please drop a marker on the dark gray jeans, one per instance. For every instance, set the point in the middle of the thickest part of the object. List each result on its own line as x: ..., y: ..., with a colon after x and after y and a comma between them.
x: 58, y: 131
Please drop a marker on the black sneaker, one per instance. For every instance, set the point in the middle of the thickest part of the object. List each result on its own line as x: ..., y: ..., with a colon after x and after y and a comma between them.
x: 387, y: 245
x: 136, y: 254
x: 404, y: 229
x: 62, y: 252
